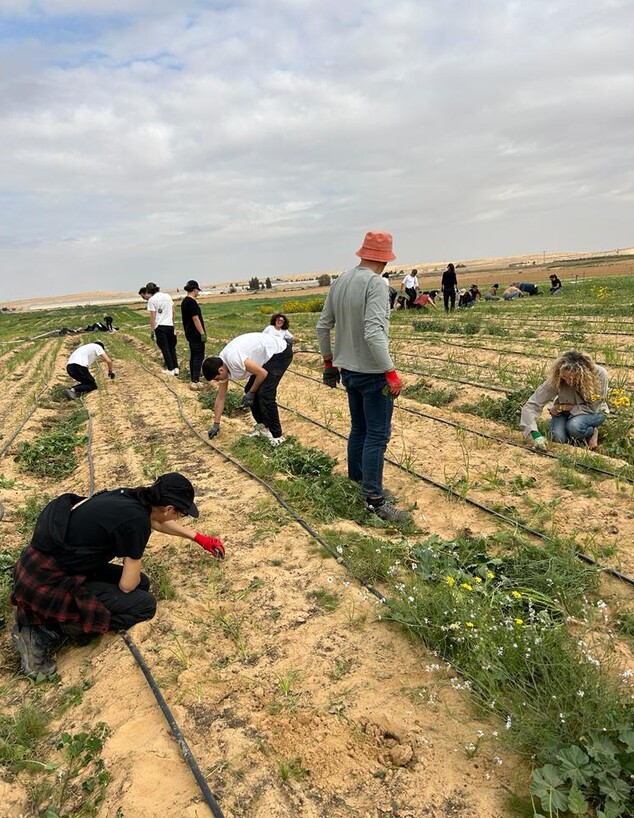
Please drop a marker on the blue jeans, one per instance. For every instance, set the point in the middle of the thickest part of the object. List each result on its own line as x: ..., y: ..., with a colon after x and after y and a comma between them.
x: 566, y: 428
x: 370, y: 425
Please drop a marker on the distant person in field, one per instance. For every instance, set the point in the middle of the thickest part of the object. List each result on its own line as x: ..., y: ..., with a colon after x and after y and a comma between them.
x: 426, y: 299
x: 161, y: 309
x: 576, y: 388
x: 261, y: 358
x: 107, y: 319
x: 449, y: 285
x: 357, y: 308
x: 194, y: 329
x: 527, y: 288
x: 410, y: 285
x: 392, y: 290
x: 556, y: 286
x: 512, y: 292
x: 279, y: 325
x: 492, y: 294
x: 65, y: 583
x: 78, y: 368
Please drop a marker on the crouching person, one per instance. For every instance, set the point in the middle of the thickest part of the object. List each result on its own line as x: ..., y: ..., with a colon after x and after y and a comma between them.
x: 65, y: 584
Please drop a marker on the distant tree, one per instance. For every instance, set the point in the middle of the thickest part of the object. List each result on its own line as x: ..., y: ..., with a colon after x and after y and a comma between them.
x: 254, y: 283
x: 268, y: 283
x: 261, y: 286
x: 323, y: 280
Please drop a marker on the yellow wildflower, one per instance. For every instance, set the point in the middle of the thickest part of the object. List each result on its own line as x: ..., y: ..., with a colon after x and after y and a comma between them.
x: 519, y: 621
x: 516, y: 595
x: 478, y: 579
x: 466, y: 586
x: 469, y: 624
x: 450, y: 581
x: 490, y: 575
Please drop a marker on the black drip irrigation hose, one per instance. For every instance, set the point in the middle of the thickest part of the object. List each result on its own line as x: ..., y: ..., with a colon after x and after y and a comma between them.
x: 448, y: 490
x: 176, y: 731
x: 169, y: 718
x: 428, y: 375
x: 551, y: 455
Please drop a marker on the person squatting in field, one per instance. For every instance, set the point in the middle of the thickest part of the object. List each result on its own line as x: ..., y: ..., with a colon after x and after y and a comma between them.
x: 262, y: 358
x: 194, y: 329
x: 77, y: 367
x: 577, y: 389
x: 161, y: 309
x: 278, y: 325
x: 358, y: 307
x: 65, y: 583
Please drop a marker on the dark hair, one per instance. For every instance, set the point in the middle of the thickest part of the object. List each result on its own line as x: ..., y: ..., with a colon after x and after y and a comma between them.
x: 433, y: 294
x: 210, y: 367
x: 451, y: 267
x: 414, y: 272
x: 277, y: 315
x: 100, y: 344
x: 497, y: 285
x: 143, y: 291
x: 191, y: 286
x: 151, y: 288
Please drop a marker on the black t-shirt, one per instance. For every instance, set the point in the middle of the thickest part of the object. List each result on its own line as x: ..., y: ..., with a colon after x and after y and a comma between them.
x: 189, y: 308
x: 110, y: 524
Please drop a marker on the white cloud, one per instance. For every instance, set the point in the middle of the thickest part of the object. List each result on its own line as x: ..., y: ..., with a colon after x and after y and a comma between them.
x: 215, y: 140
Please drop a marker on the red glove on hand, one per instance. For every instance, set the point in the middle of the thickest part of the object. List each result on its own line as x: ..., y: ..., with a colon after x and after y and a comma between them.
x: 395, y: 384
x: 331, y: 375
x: 211, y: 544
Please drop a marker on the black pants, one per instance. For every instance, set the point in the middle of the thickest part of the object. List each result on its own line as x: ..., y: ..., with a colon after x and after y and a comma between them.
x: 196, y: 355
x: 264, y: 409
x: 85, y: 381
x: 125, y: 609
x: 449, y: 295
x: 166, y: 342
x: 411, y: 295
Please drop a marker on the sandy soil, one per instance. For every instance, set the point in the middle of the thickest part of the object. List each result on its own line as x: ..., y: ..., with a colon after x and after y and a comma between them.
x: 261, y: 679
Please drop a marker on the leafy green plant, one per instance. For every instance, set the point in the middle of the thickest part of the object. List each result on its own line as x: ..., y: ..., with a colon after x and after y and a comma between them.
x: 425, y: 392
x: 233, y: 402
x: 329, y: 602
x: 52, y: 454
x: 506, y: 409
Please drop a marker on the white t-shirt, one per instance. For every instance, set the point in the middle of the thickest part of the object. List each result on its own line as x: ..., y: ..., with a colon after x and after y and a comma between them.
x: 258, y: 346
x: 283, y: 333
x: 86, y: 354
x: 410, y: 282
x: 162, y: 304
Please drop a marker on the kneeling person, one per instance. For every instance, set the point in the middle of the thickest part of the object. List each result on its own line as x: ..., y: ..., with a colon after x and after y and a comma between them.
x: 263, y: 359
x: 65, y: 583
x: 77, y: 367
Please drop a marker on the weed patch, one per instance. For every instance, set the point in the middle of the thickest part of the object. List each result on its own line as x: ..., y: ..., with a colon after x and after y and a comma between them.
x: 506, y: 409
x: 233, y: 402
x: 52, y: 454
x: 424, y: 392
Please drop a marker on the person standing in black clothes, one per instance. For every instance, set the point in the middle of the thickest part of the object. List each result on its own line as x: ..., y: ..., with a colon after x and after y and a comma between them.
x: 449, y: 285
x: 194, y: 328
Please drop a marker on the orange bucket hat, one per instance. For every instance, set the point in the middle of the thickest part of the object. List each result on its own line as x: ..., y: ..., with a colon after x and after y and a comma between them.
x: 377, y: 247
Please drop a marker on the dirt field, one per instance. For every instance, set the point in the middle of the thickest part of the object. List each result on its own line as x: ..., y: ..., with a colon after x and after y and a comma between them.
x: 293, y: 710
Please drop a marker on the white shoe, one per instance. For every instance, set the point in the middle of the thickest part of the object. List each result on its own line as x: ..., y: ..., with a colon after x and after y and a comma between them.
x: 176, y: 371
x: 276, y: 441
x: 265, y: 433
x: 196, y: 386
x: 166, y: 372
x: 256, y: 431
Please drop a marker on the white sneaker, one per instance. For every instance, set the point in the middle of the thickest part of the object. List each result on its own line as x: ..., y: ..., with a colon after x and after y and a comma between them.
x: 257, y: 429
x: 196, y: 385
x: 265, y: 433
x: 176, y: 371
x: 166, y: 372
x: 276, y: 441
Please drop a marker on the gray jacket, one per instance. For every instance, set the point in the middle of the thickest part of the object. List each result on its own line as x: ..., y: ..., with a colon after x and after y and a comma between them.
x: 358, y: 304
x: 534, y: 406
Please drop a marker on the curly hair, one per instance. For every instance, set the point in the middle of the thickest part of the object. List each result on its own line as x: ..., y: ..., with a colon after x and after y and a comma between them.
x: 281, y: 315
x: 585, y: 377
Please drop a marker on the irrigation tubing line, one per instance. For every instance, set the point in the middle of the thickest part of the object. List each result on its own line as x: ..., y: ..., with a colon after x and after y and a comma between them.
x: 431, y: 375
x: 176, y: 731
x: 551, y: 455
x: 169, y: 718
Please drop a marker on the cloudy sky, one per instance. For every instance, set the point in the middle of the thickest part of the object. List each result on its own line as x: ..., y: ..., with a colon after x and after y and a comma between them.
x: 164, y: 140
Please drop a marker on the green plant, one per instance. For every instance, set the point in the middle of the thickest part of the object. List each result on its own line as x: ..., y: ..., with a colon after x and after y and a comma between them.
x: 329, y: 602
x: 6, y: 483
x: 20, y: 734
x: 506, y: 409
x: 52, y: 454
x: 293, y: 769
x: 425, y: 392
x: 233, y: 402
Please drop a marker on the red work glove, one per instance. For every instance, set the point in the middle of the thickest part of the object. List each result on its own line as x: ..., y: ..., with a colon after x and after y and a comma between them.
x: 331, y: 376
x: 395, y: 384
x: 211, y: 544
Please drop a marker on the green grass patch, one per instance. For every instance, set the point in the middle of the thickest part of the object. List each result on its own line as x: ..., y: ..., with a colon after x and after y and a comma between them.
x: 505, y: 410
x: 53, y: 453
x: 424, y: 392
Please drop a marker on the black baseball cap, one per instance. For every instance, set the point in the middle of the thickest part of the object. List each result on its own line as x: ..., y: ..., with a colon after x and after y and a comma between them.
x: 192, y: 284
x: 175, y: 490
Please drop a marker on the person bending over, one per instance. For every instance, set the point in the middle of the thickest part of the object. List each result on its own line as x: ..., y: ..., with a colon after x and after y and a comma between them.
x: 77, y: 367
x: 262, y: 358
x: 576, y: 388
x: 65, y: 583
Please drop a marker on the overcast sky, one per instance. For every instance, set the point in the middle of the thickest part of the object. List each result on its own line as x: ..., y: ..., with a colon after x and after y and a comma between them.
x: 168, y: 140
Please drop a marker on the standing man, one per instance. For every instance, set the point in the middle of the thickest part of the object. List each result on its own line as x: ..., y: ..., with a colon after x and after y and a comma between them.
x: 161, y: 309
x: 194, y: 329
x: 410, y: 285
x: 358, y: 305
x: 263, y: 359
x: 449, y: 285
x: 77, y: 368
